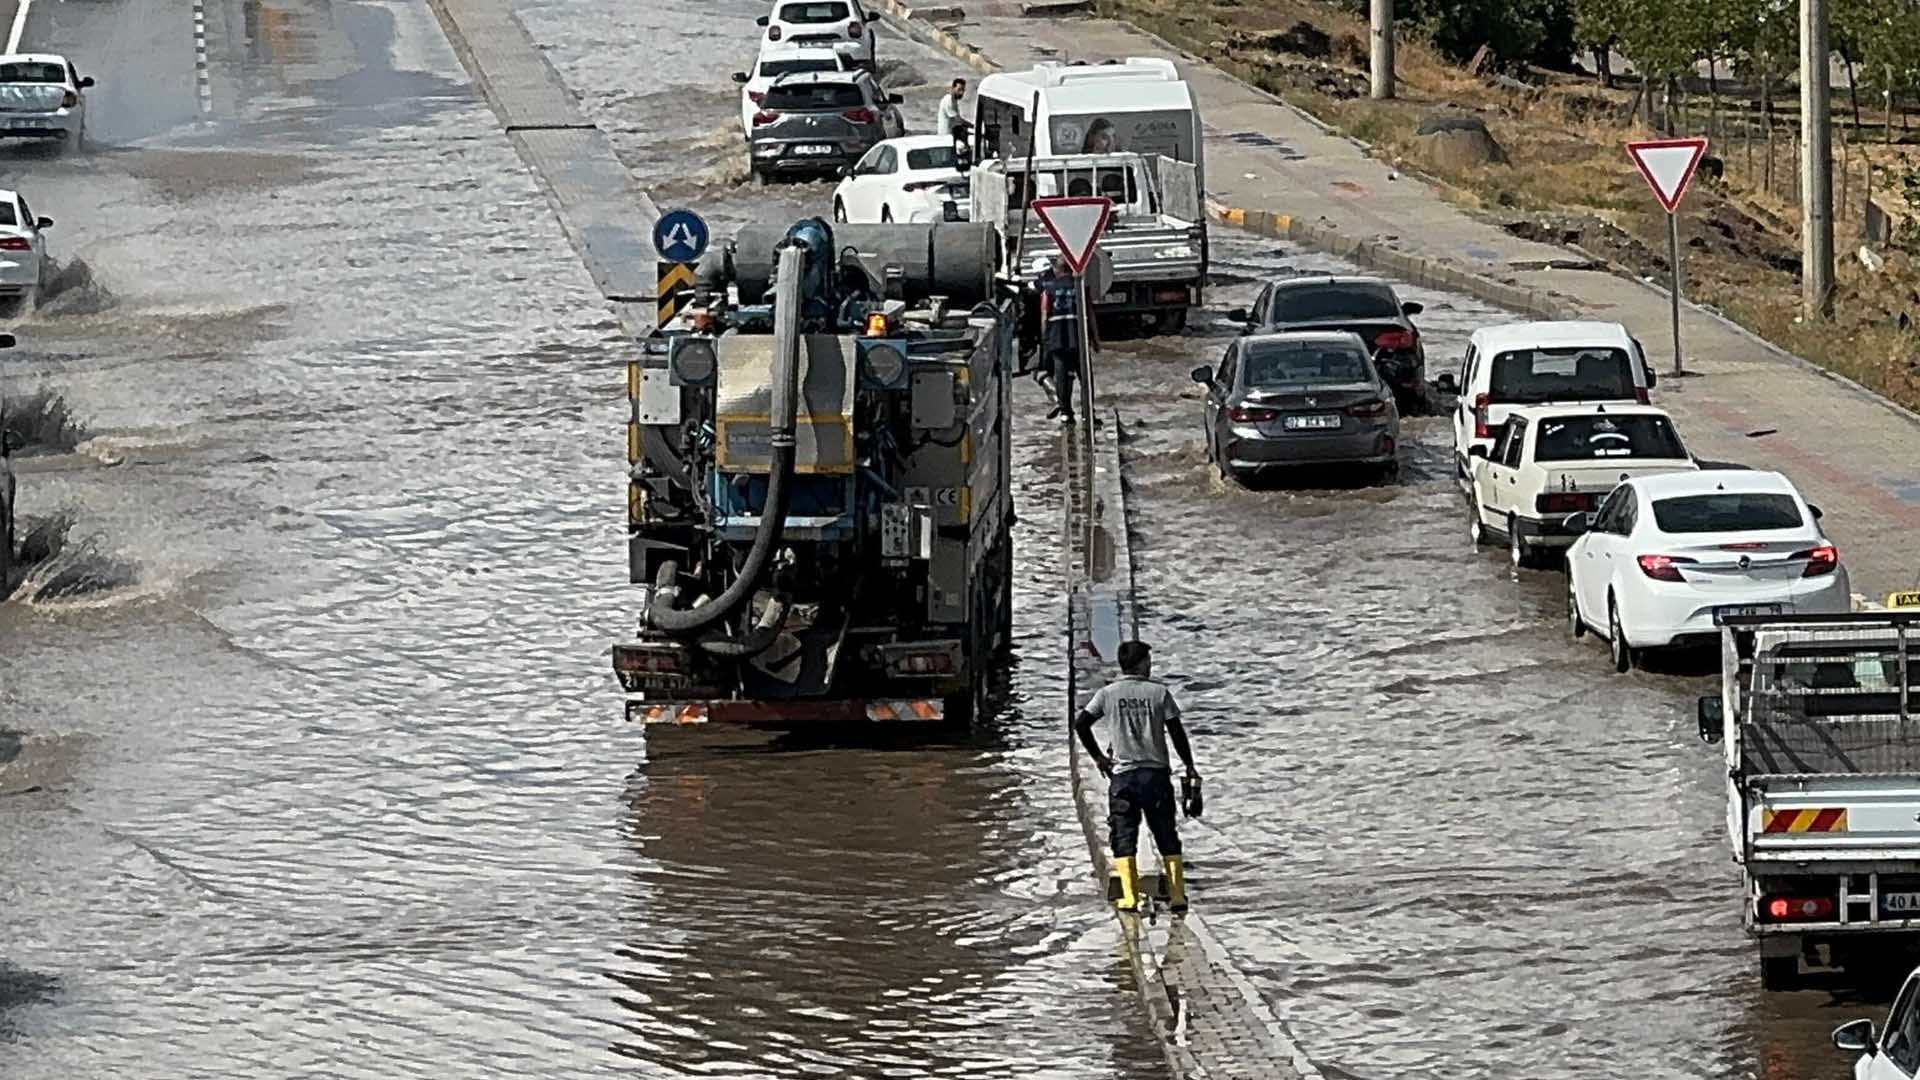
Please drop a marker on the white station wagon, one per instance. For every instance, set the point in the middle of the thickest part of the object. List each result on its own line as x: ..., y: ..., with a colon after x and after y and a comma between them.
x: 1549, y: 462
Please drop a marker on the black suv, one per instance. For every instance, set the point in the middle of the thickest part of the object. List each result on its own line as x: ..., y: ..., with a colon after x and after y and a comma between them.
x: 1365, y: 305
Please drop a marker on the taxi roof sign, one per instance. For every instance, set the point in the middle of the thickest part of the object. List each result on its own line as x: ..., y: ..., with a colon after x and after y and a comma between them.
x: 1909, y: 598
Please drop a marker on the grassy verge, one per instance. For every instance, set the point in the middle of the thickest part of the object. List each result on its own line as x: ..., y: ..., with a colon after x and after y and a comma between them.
x: 1567, y: 178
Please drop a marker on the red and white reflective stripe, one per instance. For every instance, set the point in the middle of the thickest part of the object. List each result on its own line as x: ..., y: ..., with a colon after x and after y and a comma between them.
x: 905, y: 710
x: 675, y: 714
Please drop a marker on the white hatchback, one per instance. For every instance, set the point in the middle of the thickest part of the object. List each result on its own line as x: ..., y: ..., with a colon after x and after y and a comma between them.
x: 822, y: 23
x: 23, y: 252
x: 1666, y: 553
x: 915, y: 178
x: 775, y: 62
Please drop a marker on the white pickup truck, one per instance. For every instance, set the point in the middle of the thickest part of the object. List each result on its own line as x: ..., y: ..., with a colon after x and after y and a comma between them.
x: 1156, y: 239
x: 1817, y: 718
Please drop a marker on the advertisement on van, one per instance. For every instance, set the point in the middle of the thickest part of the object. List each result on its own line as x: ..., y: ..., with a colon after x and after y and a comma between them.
x: 1169, y: 134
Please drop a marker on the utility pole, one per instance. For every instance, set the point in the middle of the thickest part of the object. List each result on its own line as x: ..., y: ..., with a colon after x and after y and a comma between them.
x: 1382, y: 49
x: 1816, y: 168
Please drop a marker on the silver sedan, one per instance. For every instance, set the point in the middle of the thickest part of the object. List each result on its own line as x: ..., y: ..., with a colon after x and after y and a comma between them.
x: 1288, y: 400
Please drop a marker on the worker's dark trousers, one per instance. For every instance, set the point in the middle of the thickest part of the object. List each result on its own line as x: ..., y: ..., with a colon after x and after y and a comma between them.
x: 1133, y: 793
x: 1066, y: 365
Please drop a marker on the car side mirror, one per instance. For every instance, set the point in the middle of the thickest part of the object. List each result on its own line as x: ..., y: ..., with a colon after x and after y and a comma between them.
x: 845, y: 171
x: 1446, y: 383
x: 761, y: 21
x: 895, y: 99
x: 43, y: 223
x: 1577, y: 523
x: 1240, y: 314
x: 1712, y: 713
x: 1203, y: 374
x: 86, y: 82
x: 1476, y: 451
x: 740, y: 77
x: 1412, y: 307
x: 873, y: 16
x: 1653, y: 378
x: 1857, y: 1037
x: 1815, y: 511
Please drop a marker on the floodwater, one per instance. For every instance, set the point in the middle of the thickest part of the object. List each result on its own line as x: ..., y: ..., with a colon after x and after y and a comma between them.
x: 309, y: 753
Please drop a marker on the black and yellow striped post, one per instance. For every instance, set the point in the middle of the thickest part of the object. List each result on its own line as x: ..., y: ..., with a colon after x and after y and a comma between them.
x: 674, y: 290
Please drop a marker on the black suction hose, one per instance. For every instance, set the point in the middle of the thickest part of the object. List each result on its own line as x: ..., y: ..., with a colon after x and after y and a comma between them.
x: 773, y: 516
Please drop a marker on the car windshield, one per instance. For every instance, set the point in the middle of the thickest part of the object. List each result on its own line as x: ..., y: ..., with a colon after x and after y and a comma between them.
x: 1745, y: 511
x: 1565, y: 374
x: 1586, y: 438
x: 1275, y: 363
x: 23, y: 72
x: 773, y: 69
x: 933, y: 157
x: 805, y: 97
x: 1311, y: 303
x: 814, y: 13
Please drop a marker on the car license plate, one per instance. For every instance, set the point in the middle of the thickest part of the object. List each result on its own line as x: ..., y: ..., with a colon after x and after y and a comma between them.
x: 1117, y: 296
x: 1321, y: 422
x: 1903, y: 903
x: 23, y: 123
x: 1739, y: 610
x: 813, y: 149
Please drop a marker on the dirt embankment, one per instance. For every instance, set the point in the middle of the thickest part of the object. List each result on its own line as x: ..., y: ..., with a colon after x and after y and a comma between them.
x: 1556, y: 169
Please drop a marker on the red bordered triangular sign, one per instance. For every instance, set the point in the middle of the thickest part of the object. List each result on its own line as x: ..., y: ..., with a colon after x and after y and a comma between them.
x: 1075, y: 223
x: 1668, y: 165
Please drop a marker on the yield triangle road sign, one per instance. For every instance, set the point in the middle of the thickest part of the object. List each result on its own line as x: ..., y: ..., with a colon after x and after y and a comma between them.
x: 1668, y: 166
x: 1075, y: 223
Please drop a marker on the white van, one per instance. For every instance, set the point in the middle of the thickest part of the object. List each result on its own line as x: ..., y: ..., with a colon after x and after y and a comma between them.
x: 1537, y: 363
x: 1139, y: 105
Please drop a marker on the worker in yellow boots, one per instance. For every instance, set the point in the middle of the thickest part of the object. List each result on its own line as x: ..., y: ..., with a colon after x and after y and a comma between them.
x: 1143, y: 716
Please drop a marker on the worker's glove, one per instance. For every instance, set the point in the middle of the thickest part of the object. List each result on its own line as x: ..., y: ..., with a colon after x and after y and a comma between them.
x: 1191, y: 802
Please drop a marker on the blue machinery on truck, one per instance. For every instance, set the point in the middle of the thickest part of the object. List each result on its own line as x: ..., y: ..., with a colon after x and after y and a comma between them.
x: 818, y: 497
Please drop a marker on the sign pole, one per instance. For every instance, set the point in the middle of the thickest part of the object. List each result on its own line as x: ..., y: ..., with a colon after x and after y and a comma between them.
x: 1673, y: 261
x: 1086, y: 409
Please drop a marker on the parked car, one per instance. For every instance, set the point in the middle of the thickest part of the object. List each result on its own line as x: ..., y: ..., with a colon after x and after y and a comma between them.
x: 1551, y: 462
x: 1893, y: 1054
x: 822, y: 22
x: 1665, y: 553
x: 1306, y: 398
x: 1535, y: 363
x: 23, y: 252
x: 775, y: 62
x: 915, y: 178
x: 816, y: 123
x: 1365, y: 305
x: 43, y: 96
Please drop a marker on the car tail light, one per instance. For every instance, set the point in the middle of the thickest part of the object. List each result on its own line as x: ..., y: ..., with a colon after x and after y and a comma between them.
x: 773, y: 33
x: 854, y: 29
x: 1375, y: 407
x: 861, y: 115
x: 1480, y: 429
x: 1251, y: 414
x: 756, y: 96
x: 1394, y: 339
x: 1821, y: 560
x: 764, y: 117
x: 922, y: 185
x: 1796, y: 908
x: 1640, y: 395
x: 70, y: 100
x: 14, y: 243
x: 1563, y: 502
x: 1663, y: 567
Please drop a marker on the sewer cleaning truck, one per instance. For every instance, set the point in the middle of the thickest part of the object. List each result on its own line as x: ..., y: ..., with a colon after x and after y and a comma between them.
x: 818, y: 502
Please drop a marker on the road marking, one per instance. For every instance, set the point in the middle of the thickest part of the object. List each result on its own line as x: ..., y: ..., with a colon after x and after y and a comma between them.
x: 199, y: 54
x: 19, y: 26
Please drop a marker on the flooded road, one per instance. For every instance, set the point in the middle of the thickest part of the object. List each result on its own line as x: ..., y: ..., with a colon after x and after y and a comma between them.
x: 322, y: 764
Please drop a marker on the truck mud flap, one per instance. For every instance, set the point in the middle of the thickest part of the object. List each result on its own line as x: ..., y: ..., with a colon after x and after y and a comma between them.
x: 788, y: 715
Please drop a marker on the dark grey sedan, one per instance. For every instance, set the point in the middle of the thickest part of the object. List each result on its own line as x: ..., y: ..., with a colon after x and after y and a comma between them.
x: 1296, y: 399
x: 813, y: 123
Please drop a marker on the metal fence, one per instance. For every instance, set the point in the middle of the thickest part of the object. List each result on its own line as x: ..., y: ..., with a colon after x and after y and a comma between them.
x: 1831, y: 701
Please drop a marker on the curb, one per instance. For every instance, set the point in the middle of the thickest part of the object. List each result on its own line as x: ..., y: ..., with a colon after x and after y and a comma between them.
x: 946, y: 41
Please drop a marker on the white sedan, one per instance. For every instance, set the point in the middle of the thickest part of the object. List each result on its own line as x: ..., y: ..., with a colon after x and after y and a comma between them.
x: 1550, y: 462
x: 43, y: 95
x: 23, y: 251
x: 775, y: 61
x: 915, y: 178
x: 1665, y: 553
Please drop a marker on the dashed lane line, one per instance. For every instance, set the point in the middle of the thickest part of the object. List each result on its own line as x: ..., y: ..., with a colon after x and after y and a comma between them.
x: 201, y: 72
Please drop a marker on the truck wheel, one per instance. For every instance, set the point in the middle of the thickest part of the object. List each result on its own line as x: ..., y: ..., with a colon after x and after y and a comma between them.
x: 1779, y: 973
x: 1174, y: 322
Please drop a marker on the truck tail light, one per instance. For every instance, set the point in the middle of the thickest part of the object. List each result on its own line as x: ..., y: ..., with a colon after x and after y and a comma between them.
x: 14, y: 243
x: 1376, y: 407
x: 862, y: 115
x: 1663, y: 567
x: 1170, y: 296
x: 1796, y: 908
x: 1563, y: 502
x: 1394, y: 339
x: 1824, y: 559
x: 1251, y: 414
x: 650, y: 659
x: 1480, y: 429
x: 763, y: 117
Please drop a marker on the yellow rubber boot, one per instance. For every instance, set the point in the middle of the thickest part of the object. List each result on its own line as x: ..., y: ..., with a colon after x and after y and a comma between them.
x: 1129, y: 884
x: 1174, y: 870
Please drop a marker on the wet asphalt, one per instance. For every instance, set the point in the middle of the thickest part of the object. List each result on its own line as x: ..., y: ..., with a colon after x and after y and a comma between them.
x: 318, y: 762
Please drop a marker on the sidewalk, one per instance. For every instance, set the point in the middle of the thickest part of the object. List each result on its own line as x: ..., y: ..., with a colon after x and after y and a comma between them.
x: 1272, y: 169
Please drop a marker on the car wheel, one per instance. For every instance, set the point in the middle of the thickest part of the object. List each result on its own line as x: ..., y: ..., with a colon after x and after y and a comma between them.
x: 1518, y: 551
x: 1476, y: 526
x: 839, y: 211
x: 886, y: 215
x: 1617, y: 638
x: 1575, y: 626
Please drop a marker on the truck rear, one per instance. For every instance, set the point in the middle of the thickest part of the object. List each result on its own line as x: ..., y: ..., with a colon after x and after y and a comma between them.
x: 1156, y: 241
x: 1823, y: 785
